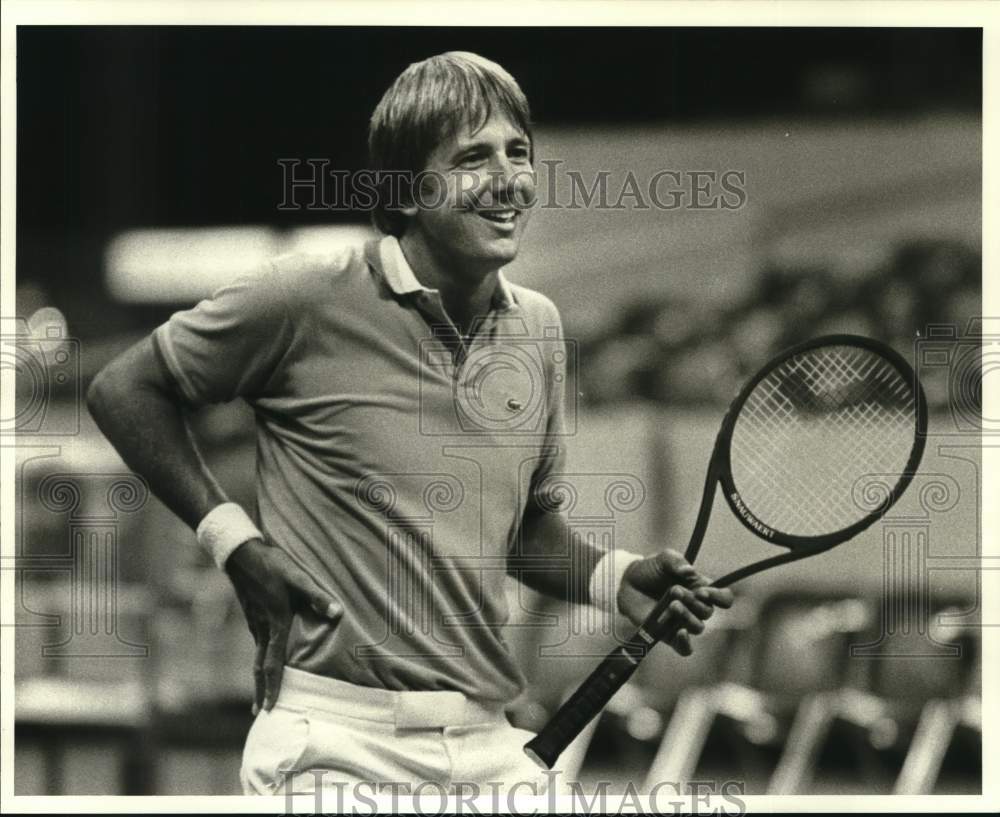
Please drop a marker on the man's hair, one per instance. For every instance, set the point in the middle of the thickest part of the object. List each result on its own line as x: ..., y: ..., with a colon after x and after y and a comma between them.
x: 428, y: 103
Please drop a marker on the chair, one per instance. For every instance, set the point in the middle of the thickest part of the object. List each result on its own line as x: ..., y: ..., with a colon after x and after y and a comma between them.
x: 796, y: 650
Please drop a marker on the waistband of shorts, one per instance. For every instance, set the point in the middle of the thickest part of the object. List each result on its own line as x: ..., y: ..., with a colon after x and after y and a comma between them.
x: 407, y: 710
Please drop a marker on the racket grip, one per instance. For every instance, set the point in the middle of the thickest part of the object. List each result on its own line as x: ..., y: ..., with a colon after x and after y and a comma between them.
x: 584, y: 704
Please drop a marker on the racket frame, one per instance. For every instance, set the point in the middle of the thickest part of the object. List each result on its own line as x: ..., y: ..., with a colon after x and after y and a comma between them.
x: 623, y: 660
x: 723, y: 449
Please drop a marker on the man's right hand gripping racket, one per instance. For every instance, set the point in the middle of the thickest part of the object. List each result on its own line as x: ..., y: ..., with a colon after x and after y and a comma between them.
x: 813, y: 450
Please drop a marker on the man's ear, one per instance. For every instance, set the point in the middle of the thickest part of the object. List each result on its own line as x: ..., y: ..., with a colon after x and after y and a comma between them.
x: 408, y: 202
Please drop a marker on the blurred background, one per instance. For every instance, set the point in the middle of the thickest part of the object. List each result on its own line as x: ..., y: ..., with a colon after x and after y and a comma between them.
x: 148, y: 174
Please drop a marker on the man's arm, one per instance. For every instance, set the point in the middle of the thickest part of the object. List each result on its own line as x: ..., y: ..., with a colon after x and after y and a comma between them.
x: 138, y: 406
x: 548, y: 559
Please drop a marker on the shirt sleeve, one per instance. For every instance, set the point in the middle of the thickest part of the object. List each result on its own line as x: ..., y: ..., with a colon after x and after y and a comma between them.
x: 230, y: 345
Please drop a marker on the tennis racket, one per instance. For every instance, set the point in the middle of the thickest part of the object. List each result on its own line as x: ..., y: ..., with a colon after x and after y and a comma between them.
x: 813, y: 450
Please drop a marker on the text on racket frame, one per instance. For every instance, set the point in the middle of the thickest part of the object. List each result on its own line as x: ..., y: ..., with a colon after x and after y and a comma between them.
x: 754, y: 522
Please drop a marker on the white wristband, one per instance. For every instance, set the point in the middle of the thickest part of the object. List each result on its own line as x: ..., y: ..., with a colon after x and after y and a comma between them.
x: 224, y: 529
x: 607, y: 578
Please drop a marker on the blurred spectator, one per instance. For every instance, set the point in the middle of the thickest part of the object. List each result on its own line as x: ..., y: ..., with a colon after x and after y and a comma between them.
x: 933, y: 268
x: 966, y: 303
x: 754, y: 335
x: 852, y: 320
x: 683, y: 352
x: 609, y: 370
x: 804, y: 297
x: 680, y: 322
x: 894, y: 308
x: 706, y: 372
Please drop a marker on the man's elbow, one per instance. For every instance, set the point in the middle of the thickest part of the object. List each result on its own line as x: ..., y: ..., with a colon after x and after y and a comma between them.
x: 113, y: 388
x: 100, y: 393
x: 118, y: 385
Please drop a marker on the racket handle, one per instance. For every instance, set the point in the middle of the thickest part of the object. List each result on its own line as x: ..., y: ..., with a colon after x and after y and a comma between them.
x: 584, y: 704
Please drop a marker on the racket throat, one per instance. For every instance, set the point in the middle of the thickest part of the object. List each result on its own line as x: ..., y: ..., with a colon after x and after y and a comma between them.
x: 705, y: 511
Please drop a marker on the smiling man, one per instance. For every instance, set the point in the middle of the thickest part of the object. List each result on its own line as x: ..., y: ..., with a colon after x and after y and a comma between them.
x: 401, y: 476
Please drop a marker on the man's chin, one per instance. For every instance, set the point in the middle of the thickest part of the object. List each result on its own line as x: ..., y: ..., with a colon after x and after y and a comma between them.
x: 502, y: 250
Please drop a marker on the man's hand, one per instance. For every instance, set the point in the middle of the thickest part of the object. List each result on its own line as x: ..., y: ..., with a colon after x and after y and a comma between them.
x: 270, y: 586
x: 646, y: 580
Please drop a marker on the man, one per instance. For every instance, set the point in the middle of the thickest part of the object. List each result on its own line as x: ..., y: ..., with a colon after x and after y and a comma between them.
x: 404, y: 465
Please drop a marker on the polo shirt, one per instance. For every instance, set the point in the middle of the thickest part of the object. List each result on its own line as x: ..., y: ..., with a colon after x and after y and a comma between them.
x: 395, y: 458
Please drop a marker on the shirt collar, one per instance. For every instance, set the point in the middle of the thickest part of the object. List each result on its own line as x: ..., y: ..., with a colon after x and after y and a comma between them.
x: 387, y: 257
x: 503, y: 295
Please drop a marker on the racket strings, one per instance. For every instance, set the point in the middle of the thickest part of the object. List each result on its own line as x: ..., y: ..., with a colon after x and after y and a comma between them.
x: 811, y: 429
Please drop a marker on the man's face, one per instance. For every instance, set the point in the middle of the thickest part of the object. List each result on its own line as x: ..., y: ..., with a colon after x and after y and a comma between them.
x: 475, y: 194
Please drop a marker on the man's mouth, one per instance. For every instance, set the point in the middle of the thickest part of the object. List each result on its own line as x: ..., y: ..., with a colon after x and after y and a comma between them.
x: 499, y: 215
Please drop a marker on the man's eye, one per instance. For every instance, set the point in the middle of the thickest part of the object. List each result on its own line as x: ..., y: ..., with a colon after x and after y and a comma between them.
x: 472, y: 160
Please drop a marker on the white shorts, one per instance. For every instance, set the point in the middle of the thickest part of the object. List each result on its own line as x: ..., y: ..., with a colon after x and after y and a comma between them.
x: 327, y: 734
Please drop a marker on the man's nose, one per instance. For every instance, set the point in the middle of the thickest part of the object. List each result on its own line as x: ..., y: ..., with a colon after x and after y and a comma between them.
x: 502, y: 174
x: 511, y: 182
